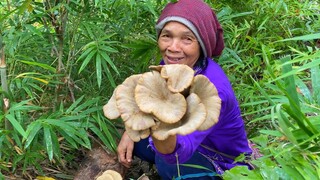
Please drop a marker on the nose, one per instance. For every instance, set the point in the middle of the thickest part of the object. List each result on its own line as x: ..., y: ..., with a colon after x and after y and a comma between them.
x: 174, y: 45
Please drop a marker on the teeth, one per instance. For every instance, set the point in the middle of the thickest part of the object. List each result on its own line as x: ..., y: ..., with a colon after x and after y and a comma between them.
x: 175, y: 59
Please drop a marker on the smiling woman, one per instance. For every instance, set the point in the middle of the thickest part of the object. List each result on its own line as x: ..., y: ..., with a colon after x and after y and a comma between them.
x: 178, y: 45
x: 189, y: 33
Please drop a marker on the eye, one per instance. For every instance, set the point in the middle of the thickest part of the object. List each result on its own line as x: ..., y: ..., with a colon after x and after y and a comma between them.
x: 187, y: 40
x: 164, y: 37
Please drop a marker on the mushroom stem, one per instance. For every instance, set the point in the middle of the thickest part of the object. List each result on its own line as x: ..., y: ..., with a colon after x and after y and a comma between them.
x: 166, y: 146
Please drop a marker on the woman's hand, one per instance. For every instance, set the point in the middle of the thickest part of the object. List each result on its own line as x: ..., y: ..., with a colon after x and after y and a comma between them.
x: 125, y: 149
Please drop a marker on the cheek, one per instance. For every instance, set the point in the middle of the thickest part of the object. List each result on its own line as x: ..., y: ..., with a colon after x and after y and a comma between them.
x: 161, y: 47
x: 193, y: 52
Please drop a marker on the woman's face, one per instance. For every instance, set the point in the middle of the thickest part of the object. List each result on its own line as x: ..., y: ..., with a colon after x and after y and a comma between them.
x: 178, y: 44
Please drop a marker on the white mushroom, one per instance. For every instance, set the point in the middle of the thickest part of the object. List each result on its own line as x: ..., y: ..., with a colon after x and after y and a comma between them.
x: 129, y: 111
x: 208, y: 94
x: 110, y: 175
x: 110, y: 110
x: 136, y: 135
x: 179, y: 76
x: 193, y: 119
x: 153, y: 96
x: 166, y: 101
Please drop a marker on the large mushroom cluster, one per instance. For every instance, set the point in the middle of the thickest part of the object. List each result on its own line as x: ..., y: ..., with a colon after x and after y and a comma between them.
x: 166, y: 101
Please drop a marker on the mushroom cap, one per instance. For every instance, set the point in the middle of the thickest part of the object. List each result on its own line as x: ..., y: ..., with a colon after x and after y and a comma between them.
x: 110, y: 110
x: 140, y: 121
x: 125, y: 97
x: 129, y: 110
x: 137, y: 135
x: 110, y: 175
x: 153, y: 96
x: 208, y: 94
x: 193, y: 119
x: 179, y: 76
x: 156, y: 68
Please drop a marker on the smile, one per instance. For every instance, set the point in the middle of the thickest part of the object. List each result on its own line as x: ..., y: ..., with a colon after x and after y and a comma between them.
x: 173, y: 59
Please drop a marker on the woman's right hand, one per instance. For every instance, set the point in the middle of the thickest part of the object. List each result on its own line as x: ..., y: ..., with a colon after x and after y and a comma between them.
x: 125, y: 150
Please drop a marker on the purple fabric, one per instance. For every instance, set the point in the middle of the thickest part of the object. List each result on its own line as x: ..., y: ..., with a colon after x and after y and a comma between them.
x: 227, y: 136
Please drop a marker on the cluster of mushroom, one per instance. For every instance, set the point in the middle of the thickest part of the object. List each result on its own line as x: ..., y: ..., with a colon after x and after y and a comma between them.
x: 166, y: 101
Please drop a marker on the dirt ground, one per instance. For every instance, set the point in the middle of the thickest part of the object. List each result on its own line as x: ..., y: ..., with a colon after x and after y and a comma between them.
x: 141, y: 170
x: 98, y: 160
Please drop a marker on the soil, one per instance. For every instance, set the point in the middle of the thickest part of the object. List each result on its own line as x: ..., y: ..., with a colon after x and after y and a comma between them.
x: 141, y: 170
x: 98, y: 160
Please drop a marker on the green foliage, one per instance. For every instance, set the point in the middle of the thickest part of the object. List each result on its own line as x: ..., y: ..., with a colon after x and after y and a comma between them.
x: 64, y: 58
x: 294, y: 114
x: 272, y: 57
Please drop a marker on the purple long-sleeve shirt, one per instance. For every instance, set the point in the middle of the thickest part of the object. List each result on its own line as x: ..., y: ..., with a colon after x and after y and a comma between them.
x: 228, y: 136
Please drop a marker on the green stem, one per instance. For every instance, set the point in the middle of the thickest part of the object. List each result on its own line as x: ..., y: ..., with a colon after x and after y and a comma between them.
x: 178, y: 168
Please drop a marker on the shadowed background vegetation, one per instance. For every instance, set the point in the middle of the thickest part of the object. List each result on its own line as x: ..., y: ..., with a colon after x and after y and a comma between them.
x: 61, y: 59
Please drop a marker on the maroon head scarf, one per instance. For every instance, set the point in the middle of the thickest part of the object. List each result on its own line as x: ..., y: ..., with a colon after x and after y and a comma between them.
x: 200, y: 19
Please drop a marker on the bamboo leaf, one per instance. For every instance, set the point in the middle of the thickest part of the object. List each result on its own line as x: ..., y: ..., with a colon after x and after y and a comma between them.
x: 271, y: 132
x: 108, y: 60
x: 315, y: 80
x: 309, y: 65
x: 26, y: 5
x: 83, y: 134
x: 90, y: 110
x: 108, y: 49
x: 97, y: 132
x: 88, y: 30
x: 71, y: 118
x: 74, y: 105
x: 16, y: 125
x: 300, y: 119
x: 32, y: 131
x: 71, y: 141
x: 48, y: 141
x: 305, y: 37
x: 28, y: 91
x: 303, y: 89
x: 55, y: 144
x: 263, y: 91
x: 284, y: 124
x: 109, y: 136
x: 109, y: 75
x: 35, y: 86
x: 87, y: 60
x: 86, y: 52
x: 98, y: 69
x: 85, y: 105
x: 290, y: 84
x: 288, y: 169
x: 42, y: 65
x: 69, y: 131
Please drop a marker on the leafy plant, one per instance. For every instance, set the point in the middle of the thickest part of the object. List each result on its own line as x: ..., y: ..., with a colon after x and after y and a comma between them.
x: 294, y: 144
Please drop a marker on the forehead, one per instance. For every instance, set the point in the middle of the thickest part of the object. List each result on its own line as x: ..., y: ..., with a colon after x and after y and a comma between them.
x: 176, y: 27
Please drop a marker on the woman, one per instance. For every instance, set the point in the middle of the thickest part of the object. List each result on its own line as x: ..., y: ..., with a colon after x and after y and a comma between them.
x: 189, y: 33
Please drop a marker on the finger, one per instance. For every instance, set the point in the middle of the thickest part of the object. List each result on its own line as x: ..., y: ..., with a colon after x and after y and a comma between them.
x: 122, y: 157
x: 129, y: 155
x: 124, y: 162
